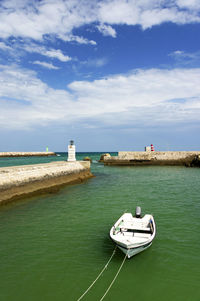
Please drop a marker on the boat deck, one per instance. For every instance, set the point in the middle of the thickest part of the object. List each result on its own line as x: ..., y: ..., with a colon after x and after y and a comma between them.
x: 130, y: 230
x: 132, y: 223
x: 129, y: 238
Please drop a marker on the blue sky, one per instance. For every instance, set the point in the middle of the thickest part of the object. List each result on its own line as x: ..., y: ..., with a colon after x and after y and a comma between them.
x: 112, y: 74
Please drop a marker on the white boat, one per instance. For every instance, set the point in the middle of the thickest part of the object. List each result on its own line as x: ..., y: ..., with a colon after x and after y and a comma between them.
x: 133, y: 234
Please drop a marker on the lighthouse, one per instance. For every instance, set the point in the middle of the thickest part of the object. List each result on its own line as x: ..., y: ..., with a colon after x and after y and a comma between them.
x: 71, y: 152
x: 152, y: 148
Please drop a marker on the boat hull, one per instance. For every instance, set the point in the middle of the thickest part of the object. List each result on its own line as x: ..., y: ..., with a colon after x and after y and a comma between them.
x: 130, y: 252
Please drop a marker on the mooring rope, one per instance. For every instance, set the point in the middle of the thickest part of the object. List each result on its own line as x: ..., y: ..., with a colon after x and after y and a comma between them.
x: 105, y: 267
x: 114, y: 278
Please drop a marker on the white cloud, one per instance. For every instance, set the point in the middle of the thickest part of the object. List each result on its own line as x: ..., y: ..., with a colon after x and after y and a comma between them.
x: 99, y: 62
x: 19, y: 86
x: 189, y: 4
x: 18, y: 49
x: 186, y: 58
x: 144, y: 97
x: 107, y: 30
x: 177, y: 52
x: 35, y: 19
x: 45, y: 65
x: 146, y: 13
x: 56, y: 53
x: 184, y: 54
x: 5, y: 47
x: 52, y: 53
x: 80, y: 40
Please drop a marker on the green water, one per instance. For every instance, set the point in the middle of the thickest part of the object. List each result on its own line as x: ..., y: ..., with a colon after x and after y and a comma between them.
x: 53, y: 246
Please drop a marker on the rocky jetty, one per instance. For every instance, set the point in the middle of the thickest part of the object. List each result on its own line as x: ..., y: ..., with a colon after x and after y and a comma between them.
x: 26, y: 154
x: 87, y: 159
x: 19, y: 181
x: 184, y: 158
x: 195, y: 162
x: 103, y: 156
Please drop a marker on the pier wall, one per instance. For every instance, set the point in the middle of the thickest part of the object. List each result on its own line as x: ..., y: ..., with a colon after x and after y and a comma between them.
x: 20, y: 181
x: 185, y: 158
x: 26, y: 154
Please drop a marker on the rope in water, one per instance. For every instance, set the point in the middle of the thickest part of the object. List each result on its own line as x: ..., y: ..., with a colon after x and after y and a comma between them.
x: 114, y: 278
x: 105, y: 267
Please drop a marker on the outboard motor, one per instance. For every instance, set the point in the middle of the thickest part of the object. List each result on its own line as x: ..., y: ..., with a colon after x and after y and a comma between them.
x: 138, y: 212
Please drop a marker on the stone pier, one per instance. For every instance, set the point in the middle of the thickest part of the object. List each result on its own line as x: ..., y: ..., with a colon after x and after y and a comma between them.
x: 26, y: 154
x: 184, y: 158
x: 19, y: 181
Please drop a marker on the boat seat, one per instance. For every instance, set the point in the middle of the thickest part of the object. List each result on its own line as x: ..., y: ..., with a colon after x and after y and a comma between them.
x: 138, y: 229
x: 143, y: 235
x: 128, y: 233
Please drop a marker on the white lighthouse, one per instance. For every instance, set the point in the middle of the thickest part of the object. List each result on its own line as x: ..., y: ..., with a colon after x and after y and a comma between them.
x: 71, y: 152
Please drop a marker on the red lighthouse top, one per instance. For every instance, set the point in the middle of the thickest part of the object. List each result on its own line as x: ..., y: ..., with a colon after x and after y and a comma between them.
x: 152, y: 148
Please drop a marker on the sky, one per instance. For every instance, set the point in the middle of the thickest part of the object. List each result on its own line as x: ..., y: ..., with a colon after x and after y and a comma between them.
x: 113, y: 75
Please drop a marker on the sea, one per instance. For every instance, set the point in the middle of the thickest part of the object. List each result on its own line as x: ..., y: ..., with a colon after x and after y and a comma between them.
x: 54, y: 245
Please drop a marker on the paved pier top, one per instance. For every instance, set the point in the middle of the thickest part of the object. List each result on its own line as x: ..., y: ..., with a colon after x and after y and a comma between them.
x: 21, y: 180
x: 26, y: 154
x: 169, y: 155
x: 153, y: 158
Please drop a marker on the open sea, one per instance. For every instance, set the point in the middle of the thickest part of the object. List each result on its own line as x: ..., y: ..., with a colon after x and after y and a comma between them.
x: 53, y: 246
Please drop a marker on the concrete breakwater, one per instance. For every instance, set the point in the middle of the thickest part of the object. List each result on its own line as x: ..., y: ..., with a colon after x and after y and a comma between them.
x: 26, y: 154
x: 185, y: 158
x: 18, y: 181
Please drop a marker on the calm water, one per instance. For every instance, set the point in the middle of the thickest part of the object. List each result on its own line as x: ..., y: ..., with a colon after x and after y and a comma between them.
x: 53, y: 246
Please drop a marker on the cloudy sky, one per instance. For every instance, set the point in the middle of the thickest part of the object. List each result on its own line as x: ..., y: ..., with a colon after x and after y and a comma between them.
x: 110, y: 74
